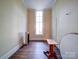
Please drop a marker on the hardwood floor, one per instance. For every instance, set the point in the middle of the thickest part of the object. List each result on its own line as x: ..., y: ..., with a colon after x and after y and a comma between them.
x: 32, y: 51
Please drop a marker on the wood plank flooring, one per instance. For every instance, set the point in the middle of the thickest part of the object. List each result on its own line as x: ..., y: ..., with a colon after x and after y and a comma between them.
x: 32, y: 51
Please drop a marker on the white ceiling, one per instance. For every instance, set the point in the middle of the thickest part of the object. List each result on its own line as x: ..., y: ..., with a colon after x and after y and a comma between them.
x: 39, y: 4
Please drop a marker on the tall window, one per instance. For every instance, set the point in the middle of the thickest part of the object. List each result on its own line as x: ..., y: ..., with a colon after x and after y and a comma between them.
x: 39, y: 22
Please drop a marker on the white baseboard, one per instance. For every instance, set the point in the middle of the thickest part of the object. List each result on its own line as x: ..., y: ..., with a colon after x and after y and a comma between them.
x: 11, y: 52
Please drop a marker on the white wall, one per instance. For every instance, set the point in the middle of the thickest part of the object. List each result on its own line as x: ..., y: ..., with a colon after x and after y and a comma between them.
x: 65, y: 18
x: 22, y: 18
x: 12, y: 22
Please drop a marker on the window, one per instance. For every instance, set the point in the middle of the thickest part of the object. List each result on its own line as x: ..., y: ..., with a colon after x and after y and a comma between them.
x: 39, y: 22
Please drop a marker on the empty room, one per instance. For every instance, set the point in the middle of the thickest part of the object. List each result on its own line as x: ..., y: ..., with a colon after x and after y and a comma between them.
x: 38, y: 29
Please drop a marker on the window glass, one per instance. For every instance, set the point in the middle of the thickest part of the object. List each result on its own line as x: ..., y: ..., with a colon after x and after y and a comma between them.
x: 39, y: 22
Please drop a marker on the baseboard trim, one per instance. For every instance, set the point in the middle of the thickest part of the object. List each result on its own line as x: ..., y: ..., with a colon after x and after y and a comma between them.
x: 38, y: 41
x: 11, y: 52
x: 23, y: 45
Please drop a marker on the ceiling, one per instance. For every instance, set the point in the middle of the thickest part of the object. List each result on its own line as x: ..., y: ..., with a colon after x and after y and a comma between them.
x: 39, y: 4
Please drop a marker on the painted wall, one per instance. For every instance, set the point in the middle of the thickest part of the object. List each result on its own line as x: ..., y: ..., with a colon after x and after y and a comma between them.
x: 31, y: 22
x: 65, y: 18
x: 47, y: 23
x: 12, y: 25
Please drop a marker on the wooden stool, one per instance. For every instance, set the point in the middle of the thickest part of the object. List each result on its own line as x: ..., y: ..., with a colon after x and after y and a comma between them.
x: 51, y: 53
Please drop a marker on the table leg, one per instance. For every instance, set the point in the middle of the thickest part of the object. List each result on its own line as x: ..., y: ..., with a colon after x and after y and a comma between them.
x: 52, y: 52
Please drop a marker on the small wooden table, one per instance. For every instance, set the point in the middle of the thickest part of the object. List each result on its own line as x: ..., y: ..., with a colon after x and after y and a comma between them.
x: 51, y: 53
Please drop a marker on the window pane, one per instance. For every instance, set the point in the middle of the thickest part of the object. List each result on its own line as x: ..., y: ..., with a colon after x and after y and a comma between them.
x: 39, y: 22
x: 37, y: 27
x: 39, y: 19
x: 39, y: 13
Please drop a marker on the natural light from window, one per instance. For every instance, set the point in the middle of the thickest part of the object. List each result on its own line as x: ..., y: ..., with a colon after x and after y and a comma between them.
x: 39, y: 22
